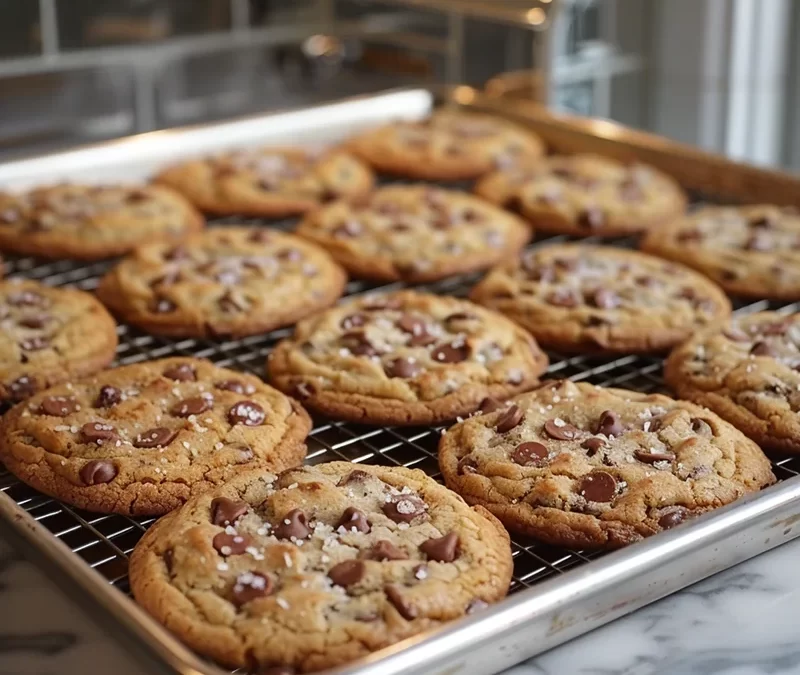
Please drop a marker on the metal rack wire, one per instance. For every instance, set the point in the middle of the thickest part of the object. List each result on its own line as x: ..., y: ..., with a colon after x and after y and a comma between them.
x: 104, y: 542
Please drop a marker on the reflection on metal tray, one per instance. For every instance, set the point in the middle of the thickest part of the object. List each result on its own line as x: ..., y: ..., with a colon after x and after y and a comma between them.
x: 556, y: 594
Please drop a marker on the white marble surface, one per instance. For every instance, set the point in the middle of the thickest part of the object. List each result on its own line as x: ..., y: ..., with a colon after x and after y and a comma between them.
x: 745, y: 621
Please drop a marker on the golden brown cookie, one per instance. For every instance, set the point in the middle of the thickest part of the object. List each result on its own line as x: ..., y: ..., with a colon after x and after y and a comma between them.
x: 448, y: 145
x: 269, y: 182
x: 752, y: 251
x: 142, y: 439
x: 224, y: 281
x: 747, y: 373
x: 578, y: 298
x: 415, y: 233
x: 50, y: 335
x: 404, y: 358
x: 586, y: 195
x: 319, y: 566
x: 585, y: 467
x: 92, y: 222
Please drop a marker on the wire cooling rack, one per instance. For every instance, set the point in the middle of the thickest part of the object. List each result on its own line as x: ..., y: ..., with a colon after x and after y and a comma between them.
x: 105, y: 541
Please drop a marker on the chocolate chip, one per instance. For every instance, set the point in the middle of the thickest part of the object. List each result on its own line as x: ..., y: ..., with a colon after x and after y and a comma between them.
x: 22, y: 387
x: 510, y: 419
x: 348, y: 230
x: 353, y: 321
x: 384, y: 550
x: 248, y: 413
x: 182, y: 372
x: 358, y: 343
x: 235, y: 386
x: 395, y: 595
x: 98, y: 432
x: 762, y: 348
x: 530, y: 454
x: 162, y: 305
x: 652, y: 457
x: 515, y: 204
x: 564, y: 297
x: 404, y: 508
x: 155, y: 438
x: 35, y: 321
x: 673, y: 518
x: 380, y: 303
x: 192, y: 406
x: 136, y: 196
x: 58, y: 406
x: 764, y: 221
x: 467, y: 465
x: 414, y: 325
x: 250, y: 586
x: 35, y: 344
x: 489, y: 405
x: 231, y: 544
x: 262, y: 236
x: 559, y: 430
x: 405, y: 367
x: 353, y: 519
x: 442, y: 549
x: 347, y: 573
x: 591, y: 218
x: 108, y: 397
x: 226, y: 511
x: 605, y: 299
x: 357, y: 476
x: 294, y: 525
x: 455, y: 352
x: 476, y: 605
x: 609, y: 424
x: 593, y: 445
x: 701, y: 427
x: 598, y: 486
x: 97, y: 471
x: 27, y: 299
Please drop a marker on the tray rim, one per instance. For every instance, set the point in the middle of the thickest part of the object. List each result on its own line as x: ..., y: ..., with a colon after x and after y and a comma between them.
x: 732, y: 531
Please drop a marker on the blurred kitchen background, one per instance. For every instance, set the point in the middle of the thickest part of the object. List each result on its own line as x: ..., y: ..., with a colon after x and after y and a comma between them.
x: 722, y: 74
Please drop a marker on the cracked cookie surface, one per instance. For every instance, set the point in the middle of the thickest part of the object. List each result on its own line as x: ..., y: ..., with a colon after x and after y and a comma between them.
x: 746, y: 372
x: 225, y: 281
x: 752, y: 251
x: 586, y: 195
x: 586, y: 467
x: 319, y: 566
x: 49, y: 335
x: 415, y: 233
x: 405, y: 358
x: 141, y: 439
x: 578, y: 298
x: 92, y: 222
x: 448, y: 145
x: 271, y: 182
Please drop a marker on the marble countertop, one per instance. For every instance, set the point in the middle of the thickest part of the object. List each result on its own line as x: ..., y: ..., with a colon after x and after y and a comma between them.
x: 740, y: 622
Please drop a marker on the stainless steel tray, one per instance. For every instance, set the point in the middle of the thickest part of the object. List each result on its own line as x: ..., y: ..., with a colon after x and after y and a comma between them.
x: 556, y: 594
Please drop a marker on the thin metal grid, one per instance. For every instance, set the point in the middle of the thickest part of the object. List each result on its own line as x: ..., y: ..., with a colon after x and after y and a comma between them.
x: 105, y: 541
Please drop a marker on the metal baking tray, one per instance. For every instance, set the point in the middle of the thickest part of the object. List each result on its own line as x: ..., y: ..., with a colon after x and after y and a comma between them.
x: 556, y: 594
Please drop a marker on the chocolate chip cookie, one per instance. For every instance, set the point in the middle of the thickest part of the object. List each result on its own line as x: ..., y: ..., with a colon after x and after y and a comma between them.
x: 747, y: 373
x: 448, y: 145
x: 405, y: 358
x: 319, y: 566
x: 141, y: 439
x: 268, y: 182
x: 585, y: 467
x: 92, y: 222
x: 225, y: 281
x: 415, y: 233
x: 752, y: 251
x: 50, y: 335
x: 577, y: 298
x: 583, y: 195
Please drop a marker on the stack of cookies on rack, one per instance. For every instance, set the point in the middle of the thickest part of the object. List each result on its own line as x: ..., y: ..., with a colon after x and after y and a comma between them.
x: 260, y: 562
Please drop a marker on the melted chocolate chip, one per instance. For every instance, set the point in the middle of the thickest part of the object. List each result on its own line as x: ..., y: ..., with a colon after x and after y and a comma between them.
x: 107, y: 397
x: 593, y: 445
x: 514, y: 204
x: 762, y: 348
x: 236, y: 386
x: 226, y: 511
x: 35, y: 321
x: 98, y: 433
x: 530, y: 454
x: 155, y: 438
x: 564, y: 298
x: 192, y: 406
x: 652, y: 457
x: 251, y: 586
x: 510, y: 419
x: 403, y: 508
x: 231, y: 544
x: 183, y: 372
x: 609, y: 424
x: 405, y: 367
x: 353, y: 321
x: 22, y: 387
x: 591, y: 218
x: 248, y: 413
x: 358, y: 343
x: 353, y: 519
x: 451, y: 353
x: 58, y: 406
x: 384, y: 550
x: 347, y: 573
x: 414, y: 325
x: 394, y: 594
x: 673, y: 518
x: 598, y: 486
x: 294, y: 525
x: 357, y: 476
x: 97, y: 471
x: 560, y: 430
x: 442, y: 549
